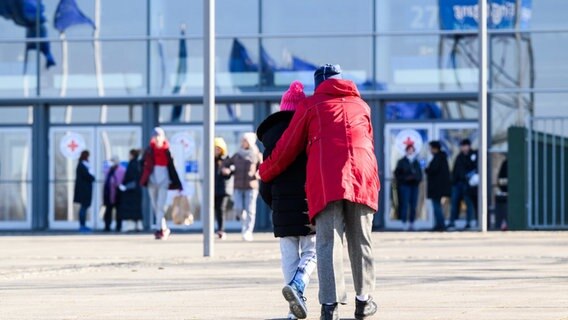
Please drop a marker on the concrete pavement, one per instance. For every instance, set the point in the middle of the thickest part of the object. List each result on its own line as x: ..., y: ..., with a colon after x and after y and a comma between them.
x: 419, y: 276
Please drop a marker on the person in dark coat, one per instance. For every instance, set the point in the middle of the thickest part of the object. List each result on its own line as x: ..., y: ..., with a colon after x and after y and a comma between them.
x: 439, y: 184
x: 465, y: 166
x: 130, y: 205
x: 408, y: 175
x: 111, y: 196
x: 83, y: 194
x: 223, y: 186
x: 287, y: 197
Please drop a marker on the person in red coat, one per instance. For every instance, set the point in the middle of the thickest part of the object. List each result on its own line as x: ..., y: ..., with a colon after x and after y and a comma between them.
x: 334, y: 128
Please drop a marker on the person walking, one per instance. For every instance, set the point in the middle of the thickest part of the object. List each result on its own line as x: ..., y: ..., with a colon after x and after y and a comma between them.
x: 438, y: 183
x: 83, y: 194
x: 465, y: 166
x: 408, y: 175
x: 244, y: 168
x: 130, y: 205
x: 223, y: 186
x: 159, y: 175
x: 113, y: 179
x: 287, y: 198
x: 334, y: 128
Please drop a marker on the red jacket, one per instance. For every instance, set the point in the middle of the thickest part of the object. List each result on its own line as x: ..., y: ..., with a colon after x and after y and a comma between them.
x: 334, y: 128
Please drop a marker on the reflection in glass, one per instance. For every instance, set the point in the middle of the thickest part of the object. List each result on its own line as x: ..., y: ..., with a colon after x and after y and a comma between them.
x: 233, y: 113
x: 15, y: 174
x: 16, y: 115
x: 431, y: 110
x: 96, y: 114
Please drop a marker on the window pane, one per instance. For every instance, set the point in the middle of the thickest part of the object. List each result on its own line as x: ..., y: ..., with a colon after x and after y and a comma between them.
x: 427, y: 63
x: 16, y: 115
x: 123, y: 70
x: 300, y: 16
x: 95, y: 114
x: 426, y: 110
x: 233, y: 113
x: 409, y: 15
x: 12, y: 60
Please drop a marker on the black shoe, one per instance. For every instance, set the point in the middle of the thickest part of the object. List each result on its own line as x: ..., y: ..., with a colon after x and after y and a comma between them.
x: 439, y: 229
x: 364, y: 309
x: 296, y: 300
x: 329, y: 312
x: 467, y: 227
x: 451, y: 227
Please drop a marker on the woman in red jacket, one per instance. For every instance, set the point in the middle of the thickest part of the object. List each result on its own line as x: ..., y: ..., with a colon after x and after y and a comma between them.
x: 334, y: 128
x: 159, y: 175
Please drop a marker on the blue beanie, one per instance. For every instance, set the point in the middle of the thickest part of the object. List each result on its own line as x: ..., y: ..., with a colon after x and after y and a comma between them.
x: 327, y: 71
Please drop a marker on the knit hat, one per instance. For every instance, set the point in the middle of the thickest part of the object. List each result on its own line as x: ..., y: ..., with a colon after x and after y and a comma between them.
x: 292, y: 96
x: 159, y: 132
x: 221, y: 144
x: 327, y: 71
x: 250, y: 137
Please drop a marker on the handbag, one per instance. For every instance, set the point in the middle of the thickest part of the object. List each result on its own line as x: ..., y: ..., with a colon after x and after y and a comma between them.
x: 181, y: 211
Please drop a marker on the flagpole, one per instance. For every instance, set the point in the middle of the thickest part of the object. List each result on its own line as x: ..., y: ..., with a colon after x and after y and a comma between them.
x: 98, y: 59
x: 65, y: 74
x: 208, y: 123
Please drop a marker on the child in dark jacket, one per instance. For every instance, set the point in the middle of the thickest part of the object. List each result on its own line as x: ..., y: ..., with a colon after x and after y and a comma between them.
x: 287, y: 197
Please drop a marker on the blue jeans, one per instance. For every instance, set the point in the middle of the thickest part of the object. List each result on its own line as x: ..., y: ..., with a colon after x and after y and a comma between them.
x: 245, y: 207
x: 408, y: 202
x: 83, y: 215
x: 460, y: 192
x: 438, y: 213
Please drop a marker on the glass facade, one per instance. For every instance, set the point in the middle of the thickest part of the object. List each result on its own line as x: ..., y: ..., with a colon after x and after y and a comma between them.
x: 426, y: 49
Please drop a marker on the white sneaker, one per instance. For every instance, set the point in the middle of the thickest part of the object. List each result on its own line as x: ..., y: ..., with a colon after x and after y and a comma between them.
x: 248, y: 237
x: 291, y: 316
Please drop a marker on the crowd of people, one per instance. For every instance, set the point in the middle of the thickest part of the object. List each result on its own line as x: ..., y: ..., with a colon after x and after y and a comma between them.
x: 459, y: 185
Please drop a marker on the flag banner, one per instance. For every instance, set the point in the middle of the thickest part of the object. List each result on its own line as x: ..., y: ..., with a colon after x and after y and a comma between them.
x: 503, y: 14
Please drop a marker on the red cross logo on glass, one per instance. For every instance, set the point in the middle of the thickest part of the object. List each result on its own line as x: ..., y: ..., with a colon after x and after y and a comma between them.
x: 184, y: 143
x: 72, y: 145
x: 408, y: 142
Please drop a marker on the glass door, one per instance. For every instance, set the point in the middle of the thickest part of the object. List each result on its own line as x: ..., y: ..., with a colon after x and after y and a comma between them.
x: 15, y: 178
x: 66, y: 145
x: 397, y: 137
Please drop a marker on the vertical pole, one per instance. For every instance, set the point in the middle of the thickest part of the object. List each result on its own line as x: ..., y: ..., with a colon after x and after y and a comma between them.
x: 40, y: 166
x: 483, y: 116
x: 209, y: 123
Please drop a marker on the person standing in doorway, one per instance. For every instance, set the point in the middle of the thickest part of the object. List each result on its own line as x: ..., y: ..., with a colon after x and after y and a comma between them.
x: 286, y: 197
x: 439, y: 183
x: 113, y: 179
x: 159, y: 175
x: 334, y: 128
x: 130, y: 205
x: 223, y: 186
x: 465, y: 166
x: 408, y: 175
x: 83, y: 194
x: 244, y: 167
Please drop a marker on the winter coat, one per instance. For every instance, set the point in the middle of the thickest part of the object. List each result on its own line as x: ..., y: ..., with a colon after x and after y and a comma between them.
x: 334, y: 128
x: 83, y: 185
x: 110, y: 186
x: 223, y: 183
x: 245, y: 169
x: 148, y: 168
x: 438, y: 172
x: 286, y: 194
x: 408, y: 173
x: 130, y: 206
x: 464, y: 165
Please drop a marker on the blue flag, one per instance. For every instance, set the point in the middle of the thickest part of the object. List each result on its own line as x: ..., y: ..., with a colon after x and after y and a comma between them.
x: 23, y: 13
x: 68, y: 14
x: 240, y: 60
x: 180, y: 75
x: 302, y: 65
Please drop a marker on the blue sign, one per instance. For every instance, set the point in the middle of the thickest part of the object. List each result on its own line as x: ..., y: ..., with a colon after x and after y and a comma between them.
x: 503, y: 14
x: 191, y: 166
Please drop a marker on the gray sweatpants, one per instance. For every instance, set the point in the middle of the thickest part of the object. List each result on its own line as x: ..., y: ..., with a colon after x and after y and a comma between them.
x: 158, y: 191
x: 298, y: 259
x: 355, y: 221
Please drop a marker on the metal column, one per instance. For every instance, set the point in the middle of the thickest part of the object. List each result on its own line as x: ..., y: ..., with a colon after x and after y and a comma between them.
x: 150, y: 114
x: 483, y: 117
x: 40, y: 165
x: 209, y: 124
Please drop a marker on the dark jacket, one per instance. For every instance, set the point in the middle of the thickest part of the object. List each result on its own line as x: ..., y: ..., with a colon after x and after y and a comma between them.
x: 438, y: 172
x: 223, y: 183
x: 148, y: 168
x: 130, y: 205
x: 408, y: 173
x: 464, y: 165
x: 83, y: 186
x: 245, y: 169
x: 285, y: 194
x: 333, y: 127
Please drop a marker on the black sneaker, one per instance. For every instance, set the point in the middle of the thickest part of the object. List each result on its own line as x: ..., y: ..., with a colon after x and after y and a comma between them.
x: 365, y: 309
x: 296, y: 300
x: 329, y: 312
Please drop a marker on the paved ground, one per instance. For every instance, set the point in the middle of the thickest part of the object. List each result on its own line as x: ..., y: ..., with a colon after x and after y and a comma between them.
x: 420, y: 276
